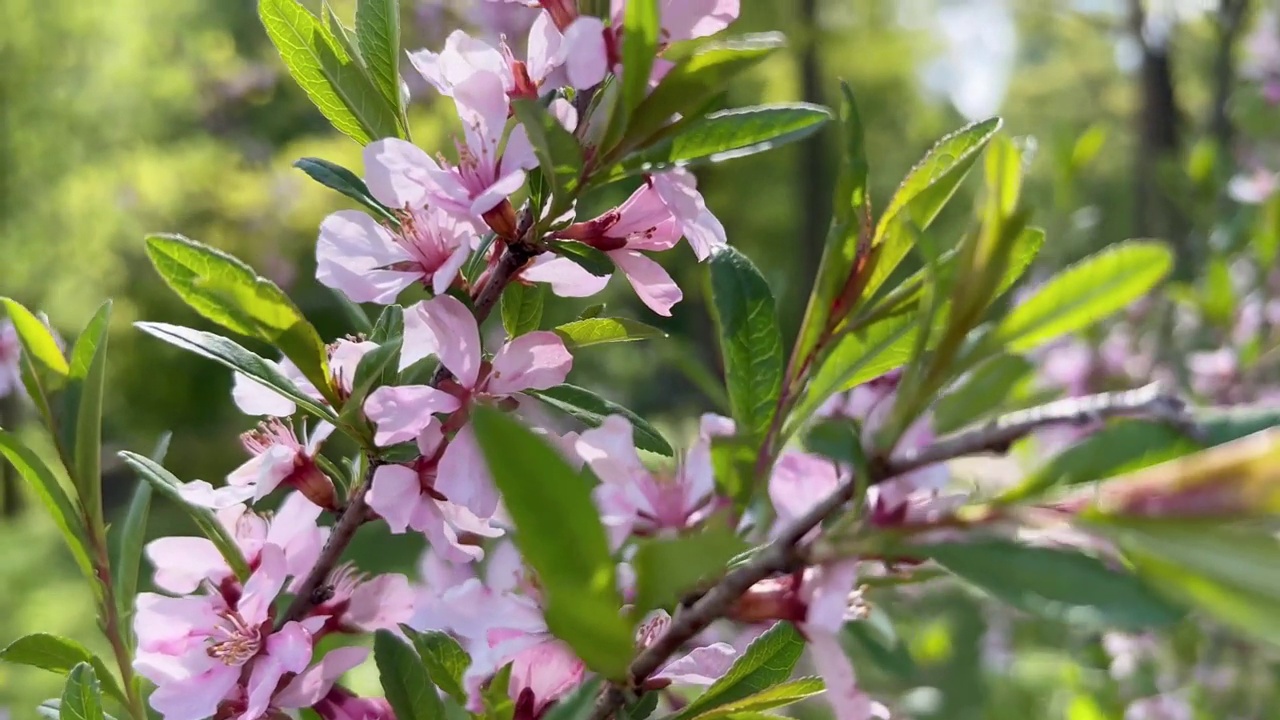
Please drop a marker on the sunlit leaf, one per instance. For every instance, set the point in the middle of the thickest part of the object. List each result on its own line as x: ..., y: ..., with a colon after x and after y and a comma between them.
x: 750, y: 341
x: 597, y: 330
x: 767, y: 661
x: 592, y: 409
x: 59, y: 655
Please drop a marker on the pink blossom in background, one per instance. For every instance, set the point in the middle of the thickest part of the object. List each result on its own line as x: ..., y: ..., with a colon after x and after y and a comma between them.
x: 827, y: 591
x: 701, y: 666
x: 364, y: 603
x: 10, y: 359
x: 254, y: 398
x: 1252, y: 187
x: 1261, y: 62
x: 686, y: 19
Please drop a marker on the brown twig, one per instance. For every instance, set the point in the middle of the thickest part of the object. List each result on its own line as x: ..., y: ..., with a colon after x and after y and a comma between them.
x: 786, y: 552
x: 312, y: 591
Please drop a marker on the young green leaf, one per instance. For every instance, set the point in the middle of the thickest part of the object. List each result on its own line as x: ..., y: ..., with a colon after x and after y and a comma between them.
x: 163, y: 482
x: 378, y: 37
x: 668, y: 568
x: 126, y: 555
x: 444, y: 659
x: 405, y: 680
x: 59, y: 655
x: 82, y: 695
x: 584, y: 256
x: 592, y: 409
x: 558, y: 532
x: 228, y: 353
x: 1085, y: 293
x: 336, y: 177
x: 522, y: 308
x: 228, y: 292
x: 1058, y: 584
x: 64, y: 511
x: 375, y: 369
x: 639, y: 48
x: 598, y: 330
x: 327, y: 73
x: 390, y: 324
x: 766, y: 662
x: 689, y: 87
x: 728, y: 135
x: 877, y: 640
x: 750, y: 340
x: 981, y: 394
x: 83, y: 401
x: 558, y: 151
x: 779, y: 695
x: 44, y: 369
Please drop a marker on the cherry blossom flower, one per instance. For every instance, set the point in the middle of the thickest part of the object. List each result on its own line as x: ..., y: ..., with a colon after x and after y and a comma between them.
x: 278, y: 458
x: 686, y: 19
x: 701, y: 666
x: 826, y: 591
x: 182, y: 564
x: 1253, y: 187
x: 255, y: 398
x: 361, y: 603
x: 635, y: 501
x: 315, y: 688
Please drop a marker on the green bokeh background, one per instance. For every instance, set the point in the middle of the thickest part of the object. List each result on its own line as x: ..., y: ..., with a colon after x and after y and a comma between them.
x: 124, y: 117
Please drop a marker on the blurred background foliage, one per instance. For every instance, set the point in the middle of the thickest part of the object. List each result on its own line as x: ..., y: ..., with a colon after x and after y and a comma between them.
x: 124, y: 117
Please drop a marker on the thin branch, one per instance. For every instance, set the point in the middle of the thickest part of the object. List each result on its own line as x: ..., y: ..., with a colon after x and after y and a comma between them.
x: 314, y: 589
x: 786, y: 553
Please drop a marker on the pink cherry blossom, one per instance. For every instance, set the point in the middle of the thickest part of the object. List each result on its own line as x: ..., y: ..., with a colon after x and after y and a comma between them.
x: 406, y: 498
x: 279, y: 458
x: 254, y: 398
x: 369, y: 262
x: 576, y: 56
x: 633, y: 500
x: 799, y: 482
x: 361, y: 603
x: 686, y: 19
x: 462, y: 57
x: 341, y: 704
x: 10, y: 359
x: 701, y: 666
x: 826, y: 590
x: 1253, y: 187
x: 678, y: 189
x: 310, y: 687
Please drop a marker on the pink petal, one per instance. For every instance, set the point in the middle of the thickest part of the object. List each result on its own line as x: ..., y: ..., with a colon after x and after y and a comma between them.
x: 503, y: 186
x: 833, y: 665
x: 401, y: 412
x: 518, y: 154
x: 395, y: 495
x: 444, y: 327
x: 263, y: 586
x: 645, y: 221
x: 652, y: 283
x: 585, y: 57
x: 800, y: 481
x: 533, y: 361
x: 351, y: 250
x: 430, y: 521
x: 197, y: 697
x: 550, y: 670
x: 315, y: 682
x: 254, y: 398
x: 679, y: 190
x: 611, y: 452
x: 828, y: 588
x: 505, y: 568
x: 381, y: 603
x: 443, y: 277
x: 566, y: 277
x: 702, y: 666
x: 688, y: 19
x: 398, y: 173
x: 182, y: 563
x: 345, y: 358
x: 288, y: 651
x: 163, y: 622
x: 264, y: 472
x: 199, y: 492
x: 462, y: 475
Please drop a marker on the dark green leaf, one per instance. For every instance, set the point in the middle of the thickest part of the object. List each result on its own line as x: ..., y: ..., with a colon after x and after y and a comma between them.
x: 768, y: 661
x: 64, y: 511
x: 779, y: 695
x: 877, y: 640
x: 730, y: 134
x: 835, y: 438
x: 750, y: 341
x: 444, y: 659
x: 126, y: 550
x: 643, y: 707
x: 497, y: 696
x: 1058, y: 584
x: 81, y: 696
x: 329, y: 75
x: 1222, y: 425
x: 591, y: 311
x: 667, y: 569
x: 982, y: 393
x: 1085, y: 293
x: 597, y: 330
x: 733, y: 460
x: 578, y: 705
x: 558, y: 151
x: 336, y: 177
x: 51, y: 709
x: 83, y: 398
x: 163, y: 482
x: 228, y: 292
x: 405, y: 681
x: 60, y: 655
x: 378, y: 37
x: 591, y: 409
x: 558, y: 532
x: 585, y: 256
x: 693, y: 82
x: 390, y: 324
x: 376, y: 368
x: 232, y: 355
x: 639, y: 48
x: 522, y: 308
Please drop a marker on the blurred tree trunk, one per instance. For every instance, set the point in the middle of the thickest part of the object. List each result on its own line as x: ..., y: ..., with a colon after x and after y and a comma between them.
x: 1229, y: 21
x: 10, y: 483
x: 812, y: 171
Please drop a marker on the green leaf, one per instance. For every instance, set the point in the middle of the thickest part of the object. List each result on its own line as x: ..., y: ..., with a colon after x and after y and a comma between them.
x: 691, y: 85
x: 923, y: 194
x: 1085, y: 293
x: 522, y: 308
x: 85, y: 384
x: 668, y: 568
x: 591, y: 311
x: 405, y: 681
x: 51, y: 709
x: 643, y: 707
x: 444, y: 659
x: 639, y: 48
x: 981, y: 394
x: 375, y: 369
x: 378, y: 37
x: 390, y: 324
x: 558, y: 151
x: 60, y: 655
x: 1025, y: 250
x: 64, y: 511
x: 1057, y: 584
x: 558, y: 532
x: 1120, y: 447
x: 81, y: 696
x: 336, y: 177
x: 226, y: 352
x: 327, y: 73
x: 766, y: 662
x: 849, y: 227
x: 584, y: 256
x: 37, y: 341
x: 591, y: 409
x: 779, y: 695
x: 126, y: 548
x: 228, y: 292
x: 728, y: 135
x: 578, y: 704
x: 750, y: 341
x: 497, y: 697
x: 598, y: 330
x: 876, y: 639
x: 163, y: 482
x: 1222, y: 425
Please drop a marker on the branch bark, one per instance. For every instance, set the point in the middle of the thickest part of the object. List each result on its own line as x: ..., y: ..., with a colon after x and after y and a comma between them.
x: 786, y: 553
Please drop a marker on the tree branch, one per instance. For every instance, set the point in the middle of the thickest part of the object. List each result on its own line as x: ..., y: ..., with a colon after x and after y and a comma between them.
x: 314, y: 589
x: 785, y: 553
